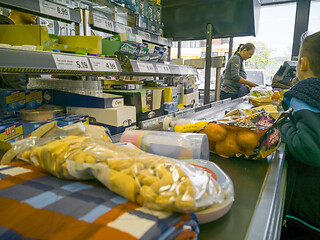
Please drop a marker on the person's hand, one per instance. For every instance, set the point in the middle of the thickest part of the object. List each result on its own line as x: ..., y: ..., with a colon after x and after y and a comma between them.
x: 252, y: 84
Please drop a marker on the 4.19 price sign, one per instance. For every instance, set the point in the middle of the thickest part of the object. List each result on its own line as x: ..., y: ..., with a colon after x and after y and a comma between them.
x: 145, y: 67
x: 54, y: 10
x: 104, y: 65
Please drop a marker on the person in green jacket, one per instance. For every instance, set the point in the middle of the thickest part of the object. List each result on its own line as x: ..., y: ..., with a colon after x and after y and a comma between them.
x: 301, y: 133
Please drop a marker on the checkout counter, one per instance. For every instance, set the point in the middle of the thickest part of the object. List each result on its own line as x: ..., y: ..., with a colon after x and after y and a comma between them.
x: 259, y: 185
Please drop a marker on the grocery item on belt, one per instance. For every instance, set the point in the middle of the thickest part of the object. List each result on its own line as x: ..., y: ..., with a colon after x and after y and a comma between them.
x: 253, y: 136
x: 153, y: 181
x: 175, y: 145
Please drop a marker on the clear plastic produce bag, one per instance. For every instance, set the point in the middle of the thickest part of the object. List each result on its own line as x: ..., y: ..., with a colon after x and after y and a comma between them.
x: 153, y: 181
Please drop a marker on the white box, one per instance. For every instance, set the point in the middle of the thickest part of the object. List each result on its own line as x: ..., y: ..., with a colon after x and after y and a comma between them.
x: 119, y: 117
x: 191, y: 98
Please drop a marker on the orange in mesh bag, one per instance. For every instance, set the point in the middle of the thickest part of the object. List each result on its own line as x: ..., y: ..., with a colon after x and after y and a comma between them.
x: 254, y: 136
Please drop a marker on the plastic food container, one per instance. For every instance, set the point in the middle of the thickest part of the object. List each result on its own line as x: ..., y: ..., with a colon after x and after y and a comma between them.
x: 170, y: 144
x: 37, y: 115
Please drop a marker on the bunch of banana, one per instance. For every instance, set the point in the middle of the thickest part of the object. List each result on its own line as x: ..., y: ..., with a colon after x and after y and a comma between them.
x: 149, y: 180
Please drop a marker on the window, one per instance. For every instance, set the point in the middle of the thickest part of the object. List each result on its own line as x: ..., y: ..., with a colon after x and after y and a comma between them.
x: 314, y: 18
x: 185, y: 44
x: 214, y: 54
x: 275, y: 31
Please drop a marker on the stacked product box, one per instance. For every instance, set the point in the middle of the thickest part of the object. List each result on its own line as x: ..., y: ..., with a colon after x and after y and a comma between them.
x: 12, y: 100
x: 117, y: 120
x: 11, y: 128
x: 173, y: 98
x: 148, y: 102
x: 67, y: 99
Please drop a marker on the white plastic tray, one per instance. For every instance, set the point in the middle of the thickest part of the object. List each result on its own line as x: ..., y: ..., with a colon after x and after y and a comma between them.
x: 216, y: 211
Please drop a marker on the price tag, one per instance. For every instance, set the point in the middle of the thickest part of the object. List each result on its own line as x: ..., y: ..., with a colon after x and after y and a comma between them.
x: 163, y: 68
x: 145, y: 36
x: 128, y: 29
x: 104, y: 65
x: 162, y: 41
x: 54, y: 10
x: 145, y: 67
x: 120, y: 28
x: 193, y: 71
x: 176, y: 70
x: 103, y: 23
x: 73, y: 63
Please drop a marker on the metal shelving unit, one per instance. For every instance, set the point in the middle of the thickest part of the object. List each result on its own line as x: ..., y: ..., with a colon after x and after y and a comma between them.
x: 153, y: 68
x: 24, y: 61
x: 44, y: 8
x: 105, y: 25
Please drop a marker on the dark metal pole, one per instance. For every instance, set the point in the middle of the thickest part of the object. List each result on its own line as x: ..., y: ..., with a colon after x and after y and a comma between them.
x: 179, y: 49
x: 218, y: 81
x: 230, y: 47
x: 208, y: 64
x: 301, y: 25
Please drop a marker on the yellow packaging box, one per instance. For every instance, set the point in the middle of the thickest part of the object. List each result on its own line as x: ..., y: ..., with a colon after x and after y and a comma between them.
x: 25, y: 35
x: 92, y: 44
x: 172, y: 94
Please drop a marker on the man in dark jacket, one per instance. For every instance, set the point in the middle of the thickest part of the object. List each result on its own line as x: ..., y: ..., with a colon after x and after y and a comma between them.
x: 302, y: 136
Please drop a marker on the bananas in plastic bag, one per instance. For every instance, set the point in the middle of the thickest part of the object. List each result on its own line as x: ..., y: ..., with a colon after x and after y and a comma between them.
x: 152, y: 181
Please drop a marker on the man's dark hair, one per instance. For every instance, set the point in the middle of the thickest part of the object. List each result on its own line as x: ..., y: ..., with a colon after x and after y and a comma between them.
x: 310, y: 48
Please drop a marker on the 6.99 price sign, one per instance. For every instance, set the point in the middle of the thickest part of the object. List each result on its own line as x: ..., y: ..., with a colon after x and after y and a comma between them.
x: 54, y: 10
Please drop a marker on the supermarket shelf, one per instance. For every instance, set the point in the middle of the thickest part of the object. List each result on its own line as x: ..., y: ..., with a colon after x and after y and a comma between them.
x: 45, y: 9
x: 23, y: 61
x: 103, y: 24
x: 153, y: 68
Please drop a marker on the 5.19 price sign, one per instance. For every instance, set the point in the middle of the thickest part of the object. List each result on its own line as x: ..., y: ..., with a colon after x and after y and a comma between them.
x: 82, y: 65
x: 72, y: 63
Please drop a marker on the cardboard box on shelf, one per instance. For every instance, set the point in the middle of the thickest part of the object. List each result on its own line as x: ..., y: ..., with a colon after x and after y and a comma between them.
x: 12, y: 100
x: 25, y: 35
x: 191, y: 99
x: 148, y: 104
x: 109, y: 47
x: 29, y: 127
x: 197, y: 62
x: 170, y: 107
x: 178, y: 61
x: 189, y: 84
x: 60, y: 98
x: 172, y: 94
x: 11, y: 131
x: 92, y: 44
x: 115, y: 119
x: 33, y: 98
x: 126, y: 36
